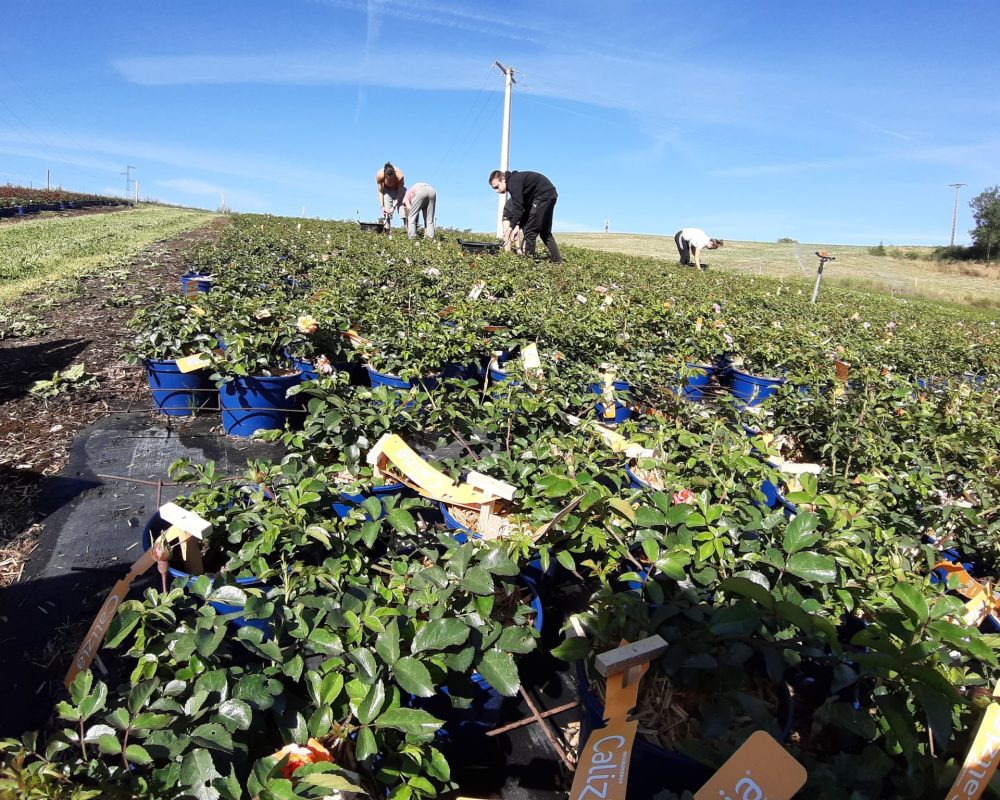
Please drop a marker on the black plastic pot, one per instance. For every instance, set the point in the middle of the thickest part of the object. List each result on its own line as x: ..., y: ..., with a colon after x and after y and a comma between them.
x: 480, y: 248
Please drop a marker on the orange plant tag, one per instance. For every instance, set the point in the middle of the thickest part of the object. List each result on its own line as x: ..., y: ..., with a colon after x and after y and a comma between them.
x: 761, y: 768
x: 983, y: 757
x: 602, y: 769
x: 99, y: 629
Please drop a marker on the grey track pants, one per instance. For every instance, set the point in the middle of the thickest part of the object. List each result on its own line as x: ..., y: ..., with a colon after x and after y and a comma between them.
x: 424, y: 199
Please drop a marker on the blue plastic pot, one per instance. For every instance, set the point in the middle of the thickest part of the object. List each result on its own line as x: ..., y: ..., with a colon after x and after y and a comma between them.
x: 487, y: 702
x: 753, y: 390
x: 176, y: 393
x: 154, y: 527
x: 697, y: 378
x: 395, y: 382
x: 304, y: 366
x: 193, y: 282
x: 622, y: 411
x: 257, y: 402
x: 349, y: 501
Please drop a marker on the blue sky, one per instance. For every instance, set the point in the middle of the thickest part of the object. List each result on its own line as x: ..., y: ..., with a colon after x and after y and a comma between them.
x: 835, y: 123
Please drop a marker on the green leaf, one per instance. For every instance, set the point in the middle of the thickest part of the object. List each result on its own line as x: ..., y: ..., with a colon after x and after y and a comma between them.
x: 437, y: 766
x: 748, y: 588
x: 478, y: 581
x: 138, y: 755
x: 197, y: 773
x: 228, y: 595
x: 911, y: 601
x: 329, y: 780
x: 365, y: 747
x: 151, y: 721
x: 573, y: 648
x: 646, y: 517
x: 402, y: 521
x: 387, y: 643
x: 108, y: 744
x: 937, y: 707
x: 372, y: 703
x: 500, y: 671
x: 799, y: 533
x: 622, y: 507
x: 364, y: 659
x: 409, y: 720
x: 236, y: 712
x: 515, y: 639
x: 94, y: 701
x: 140, y: 694
x: 121, y: 626
x: 739, y: 619
x: 813, y: 567
x: 439, y: 634
x: 213, y: 735
x: 565, y: 560
x: 413, y: 677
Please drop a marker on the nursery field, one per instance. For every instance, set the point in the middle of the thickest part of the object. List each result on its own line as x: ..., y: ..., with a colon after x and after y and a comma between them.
x: 488, y: 459
x: 903, y: 270
x: 38, y: 250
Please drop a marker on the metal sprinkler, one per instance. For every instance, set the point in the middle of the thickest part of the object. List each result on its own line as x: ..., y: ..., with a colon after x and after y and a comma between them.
x: 823, y: 258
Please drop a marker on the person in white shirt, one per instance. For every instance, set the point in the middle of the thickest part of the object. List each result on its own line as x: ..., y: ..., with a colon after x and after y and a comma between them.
x: 420, y: 197
x: 691, y: 241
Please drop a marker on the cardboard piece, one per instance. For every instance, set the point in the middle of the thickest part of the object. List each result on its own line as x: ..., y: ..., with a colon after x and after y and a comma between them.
x: 842, y: 369
x: 983, y: 756
x: 760, y: 768
x: 99, y: 628
x: 195, y: 362
x: 420, y: 475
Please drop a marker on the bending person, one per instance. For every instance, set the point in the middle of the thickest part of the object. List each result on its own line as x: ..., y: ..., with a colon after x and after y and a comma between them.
x: 691, y: 241
x: 532, y: 203
x: 390, y: 190
x: 420, y: 197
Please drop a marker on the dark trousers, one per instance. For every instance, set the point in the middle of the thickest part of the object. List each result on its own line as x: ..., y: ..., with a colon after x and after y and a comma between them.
x: 683, y: 248
x: 539, y: 225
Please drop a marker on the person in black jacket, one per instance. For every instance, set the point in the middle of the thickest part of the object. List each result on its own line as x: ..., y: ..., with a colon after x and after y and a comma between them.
x: 532, y: 203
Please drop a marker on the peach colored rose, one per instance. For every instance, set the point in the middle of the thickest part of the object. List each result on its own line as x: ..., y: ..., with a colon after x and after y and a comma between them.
x: 307, y: 324
x: 298, y: 756
x: 684, y: 496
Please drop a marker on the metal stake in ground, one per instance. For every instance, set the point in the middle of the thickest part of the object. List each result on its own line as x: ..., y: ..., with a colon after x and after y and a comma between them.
x: 823, y: 258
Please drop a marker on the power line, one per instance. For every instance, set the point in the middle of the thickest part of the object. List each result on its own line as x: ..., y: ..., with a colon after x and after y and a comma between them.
x: 459, y: 130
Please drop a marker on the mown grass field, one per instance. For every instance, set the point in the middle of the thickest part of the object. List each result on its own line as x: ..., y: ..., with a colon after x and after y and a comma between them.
x: 964, y: 284
x: 45, y: 249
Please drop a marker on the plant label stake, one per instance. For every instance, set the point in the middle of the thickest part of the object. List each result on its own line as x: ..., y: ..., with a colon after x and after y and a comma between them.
x: 532, y: 363
x: 99, y: 629
x: 477, y: 289
x: 609, y: 395
x: 823, y: 258
x: 761, y: 768
x: 603, y: 765
x: 492, y: 489
x: 420, y: 475
x: 185, y: 526
x: 983, y: 757
x: 195, y: 362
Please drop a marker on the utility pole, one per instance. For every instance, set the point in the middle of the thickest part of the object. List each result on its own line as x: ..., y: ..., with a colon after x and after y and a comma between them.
x: 505, y: 140
x: 48, y: 180
x: 137, y: 190
x: 128, y: 179
x: 954, y: 212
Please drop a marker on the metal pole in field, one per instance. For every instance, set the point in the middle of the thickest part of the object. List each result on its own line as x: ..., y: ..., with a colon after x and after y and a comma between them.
x: 823, y: 258
x: 505, y: 140
x: 954, y: 212
x: 48, y: 179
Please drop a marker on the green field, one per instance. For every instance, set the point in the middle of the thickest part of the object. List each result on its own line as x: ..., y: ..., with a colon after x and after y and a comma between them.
x: 40, y: 250
x: 965, y: 283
